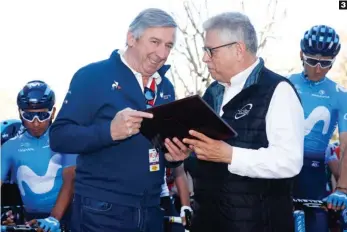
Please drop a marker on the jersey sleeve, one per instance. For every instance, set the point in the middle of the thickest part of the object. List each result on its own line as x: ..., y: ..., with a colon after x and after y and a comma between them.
x: 6, y: 160
x: 342, y: 111
x: 68, y: 160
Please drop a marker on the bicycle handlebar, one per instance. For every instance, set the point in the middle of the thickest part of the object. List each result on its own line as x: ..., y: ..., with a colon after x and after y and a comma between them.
x: 309, y: 203
x: 19, y: 228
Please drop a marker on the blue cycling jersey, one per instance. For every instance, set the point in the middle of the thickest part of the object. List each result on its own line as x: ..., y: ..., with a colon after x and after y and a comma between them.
x: 37, y: 169
x: 325, y: 107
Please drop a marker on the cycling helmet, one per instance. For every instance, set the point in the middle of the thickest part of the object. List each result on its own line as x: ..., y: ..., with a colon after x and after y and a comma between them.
x: 9, y: 129
x: 321, y: 40
x: 36, y: 95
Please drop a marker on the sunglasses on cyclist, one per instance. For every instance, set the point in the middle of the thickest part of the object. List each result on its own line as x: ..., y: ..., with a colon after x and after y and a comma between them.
x: 313, y: 62
x: 40, y: 116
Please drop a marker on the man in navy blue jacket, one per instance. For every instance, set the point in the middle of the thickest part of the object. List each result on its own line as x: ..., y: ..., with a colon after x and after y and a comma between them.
x: 119, y: 172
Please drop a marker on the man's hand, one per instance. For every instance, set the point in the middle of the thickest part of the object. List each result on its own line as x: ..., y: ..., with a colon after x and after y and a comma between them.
x: 177, y: 151
x: 337, y: 200
x: 209, y: 149
x: 186, y: 215
x: 49, y: 224
x: 127, y: 123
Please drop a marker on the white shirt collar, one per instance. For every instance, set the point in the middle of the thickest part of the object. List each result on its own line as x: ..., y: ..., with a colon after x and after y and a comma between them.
x: 240, y: 78
x: 155, y: 76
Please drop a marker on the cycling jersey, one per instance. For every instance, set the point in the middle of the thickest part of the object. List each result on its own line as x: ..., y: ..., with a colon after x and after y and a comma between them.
x: 325, y: 107
x: 37, y: 169
x: 9, y: 129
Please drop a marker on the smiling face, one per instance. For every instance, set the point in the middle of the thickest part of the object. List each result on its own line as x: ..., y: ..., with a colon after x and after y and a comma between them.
x: 152, y: 49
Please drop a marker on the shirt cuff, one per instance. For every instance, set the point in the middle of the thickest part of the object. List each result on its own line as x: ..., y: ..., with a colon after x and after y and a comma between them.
x: 239, y: 162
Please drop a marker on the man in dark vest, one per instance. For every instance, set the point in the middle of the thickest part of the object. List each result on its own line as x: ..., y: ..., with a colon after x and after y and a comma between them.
x: 245, y: 184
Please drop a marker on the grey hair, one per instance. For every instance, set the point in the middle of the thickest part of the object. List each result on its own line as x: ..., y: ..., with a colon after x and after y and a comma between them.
x: 233, y: 27
x: 151, y: 17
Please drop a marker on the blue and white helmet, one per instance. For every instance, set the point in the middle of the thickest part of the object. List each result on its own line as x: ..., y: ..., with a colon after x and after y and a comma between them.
x: 321, y: 40
x: 9, y: 129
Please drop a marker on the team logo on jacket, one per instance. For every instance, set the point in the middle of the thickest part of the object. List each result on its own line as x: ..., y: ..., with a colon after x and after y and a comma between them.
x: 162, y: 95
x: 115, y: 85
x: 243, y: 111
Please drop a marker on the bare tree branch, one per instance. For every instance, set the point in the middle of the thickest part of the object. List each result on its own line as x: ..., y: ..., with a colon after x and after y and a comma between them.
x: 189, y: 48
x: 175, y: 72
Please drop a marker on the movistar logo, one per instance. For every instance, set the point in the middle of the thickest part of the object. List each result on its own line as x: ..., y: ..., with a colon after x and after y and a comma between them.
x: 320, y: 113
x: 39, y: 184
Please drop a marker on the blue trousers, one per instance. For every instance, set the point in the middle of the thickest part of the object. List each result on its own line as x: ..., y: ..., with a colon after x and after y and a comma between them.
x: 94, y: 215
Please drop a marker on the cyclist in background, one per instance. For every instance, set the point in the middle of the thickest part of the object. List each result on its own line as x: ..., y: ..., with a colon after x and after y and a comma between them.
x: 10, y: 195
x: 175, y: 177
x: 332, y: 166
x: 9, y: 129
x: 45, y: 178
x: 324, y: 106
x: 332, y: 173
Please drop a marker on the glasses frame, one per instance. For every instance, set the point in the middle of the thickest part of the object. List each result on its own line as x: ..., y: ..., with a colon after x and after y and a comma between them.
x: 37, y: 117
x: 318, y: 62
x: 209, y: 51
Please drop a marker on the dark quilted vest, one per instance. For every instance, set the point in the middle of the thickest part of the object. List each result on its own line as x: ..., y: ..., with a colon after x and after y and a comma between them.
x: 242, y: 203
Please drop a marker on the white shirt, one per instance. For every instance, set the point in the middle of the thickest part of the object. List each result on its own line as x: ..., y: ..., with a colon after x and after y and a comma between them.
x: 283, y: 158
x: 138, y: 75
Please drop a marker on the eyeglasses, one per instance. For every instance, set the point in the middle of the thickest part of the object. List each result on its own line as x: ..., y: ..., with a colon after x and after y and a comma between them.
x: 313, y: 62
x: 150, y: 96
x: 41, y: 116
x: 209, y: 51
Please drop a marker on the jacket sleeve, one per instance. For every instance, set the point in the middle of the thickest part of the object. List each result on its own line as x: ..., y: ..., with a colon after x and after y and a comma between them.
x: 74, y: 131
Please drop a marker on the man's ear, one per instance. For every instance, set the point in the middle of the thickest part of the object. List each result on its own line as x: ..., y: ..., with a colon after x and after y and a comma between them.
x: 240, y: 50
x: 130, y: 39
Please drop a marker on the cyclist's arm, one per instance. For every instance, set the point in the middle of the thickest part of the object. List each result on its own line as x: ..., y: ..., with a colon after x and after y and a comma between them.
x: 66, y: 191
x: 65, y: 194
x: 181, y: 182
x: 343, y: 162
x: 334, y: 168
x: 342, y: 125
x: 74, y: 130
x: 6, y: 161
